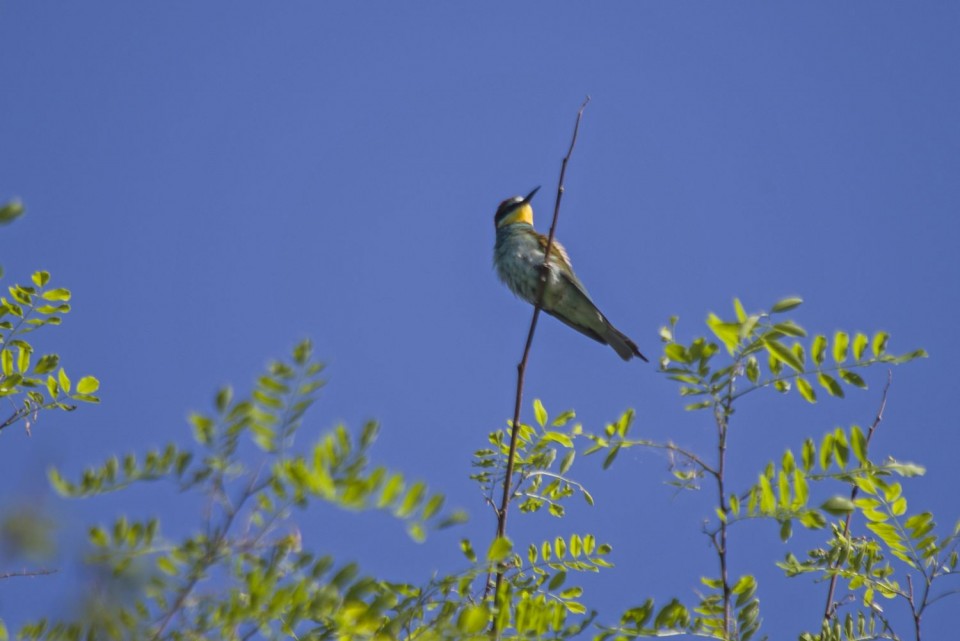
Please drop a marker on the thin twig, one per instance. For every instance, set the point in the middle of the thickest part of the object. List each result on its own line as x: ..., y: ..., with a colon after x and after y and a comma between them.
x: 722, y: 415
x: 830, y: 607
x: 522, y: 366
x: 27, y: 573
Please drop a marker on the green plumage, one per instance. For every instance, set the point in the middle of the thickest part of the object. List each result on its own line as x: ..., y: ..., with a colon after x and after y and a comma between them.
x: 518, y: 255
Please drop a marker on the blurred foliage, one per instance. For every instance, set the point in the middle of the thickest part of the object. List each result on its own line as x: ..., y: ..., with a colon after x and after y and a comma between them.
x: 244, y: 571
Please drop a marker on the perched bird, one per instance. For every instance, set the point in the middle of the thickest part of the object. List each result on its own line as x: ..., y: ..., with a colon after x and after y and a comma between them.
x: 518, y: 256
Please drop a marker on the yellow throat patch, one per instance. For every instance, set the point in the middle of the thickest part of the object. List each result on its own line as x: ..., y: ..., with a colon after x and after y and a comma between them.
x: 522, y: 214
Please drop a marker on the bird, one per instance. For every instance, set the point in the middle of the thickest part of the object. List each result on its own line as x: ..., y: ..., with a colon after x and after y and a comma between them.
x: 518, y: 256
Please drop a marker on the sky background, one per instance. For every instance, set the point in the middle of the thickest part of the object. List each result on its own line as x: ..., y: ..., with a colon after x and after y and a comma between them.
x: 216, y: 181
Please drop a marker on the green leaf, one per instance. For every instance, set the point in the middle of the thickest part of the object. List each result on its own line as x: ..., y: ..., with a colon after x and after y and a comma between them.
x: 889, y: 535
x: 768, y: 501
x: 879, y: 345
x: 698, y: 406
x: 841, y: 449
x: 47, y: 363
x: 783, y: 353
x: 572, y: 593
x: 52, y: 388
x: 540, y: 412
x: 560, y: 547
x: 413, y: 498
x: 88, y: 385
x: 830, y: 384
x: 729, y: 333
x: 165, y: 565
x: 858, y: 442
x: 40, y: 278
x: 558, y: 437
x: 611, y: 456
x: 806, y: 390
x: 10, y: 211
x: 852, y: 378
x: 64, y: 381
x: 676, y: 352
x: 786, y: 304
x: 6, y: 361
x: 557, y: 580
x: 56, y: 294
x: 499, y: 549
x: 809, y: 454
x: 859, y: 345
x: 838, y: 506
x: 840, y: 343
x: 567, y: 461
x: 919, y: 353
x: 786, y: 530
x: 789, y: 328
x: 474, y: 619
x: 739, y: 311
x: 574, y: 607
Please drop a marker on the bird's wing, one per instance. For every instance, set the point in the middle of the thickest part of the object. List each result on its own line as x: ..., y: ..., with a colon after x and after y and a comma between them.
x: 561, y: 260
x: 578, y: 303
x: 586, y: 331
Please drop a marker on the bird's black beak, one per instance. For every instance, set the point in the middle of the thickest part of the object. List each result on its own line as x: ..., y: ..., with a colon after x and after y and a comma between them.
x: 530, y: 195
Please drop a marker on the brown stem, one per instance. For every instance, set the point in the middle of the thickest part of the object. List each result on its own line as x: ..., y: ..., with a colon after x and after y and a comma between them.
x: 722, y: 416
x: 831, y: 606
x: 522, y: 366
x: 913, y: 608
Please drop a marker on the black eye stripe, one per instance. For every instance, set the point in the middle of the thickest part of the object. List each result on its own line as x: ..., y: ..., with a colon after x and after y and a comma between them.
x: 505, y: 209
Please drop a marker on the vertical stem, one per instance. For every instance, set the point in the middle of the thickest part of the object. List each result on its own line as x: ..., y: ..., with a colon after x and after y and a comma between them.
x: 722, y: 411
x: 522, y: 366
x: 829, y: 609
x: 721, y: 546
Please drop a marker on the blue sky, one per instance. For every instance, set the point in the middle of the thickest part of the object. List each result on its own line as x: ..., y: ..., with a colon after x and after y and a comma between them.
x: 217, y: 181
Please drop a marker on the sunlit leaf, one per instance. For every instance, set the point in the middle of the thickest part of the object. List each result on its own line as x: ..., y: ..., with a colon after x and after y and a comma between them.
x: 879, y: 344
x: 830, y: 384
x: 786, y: 304
x: 539, y: 412
x: 840, y: 342
x: 783, y: 353
x: 838, y: 506
x: 852, y: 378
x: 499, y: 549
x: 859, y: 346
x: 806, y: 390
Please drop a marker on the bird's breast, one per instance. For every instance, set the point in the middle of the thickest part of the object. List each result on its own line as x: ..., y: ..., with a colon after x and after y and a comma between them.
x: 518, y: 256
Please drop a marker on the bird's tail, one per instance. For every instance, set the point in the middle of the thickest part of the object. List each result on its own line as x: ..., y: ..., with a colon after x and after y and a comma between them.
x: 625, y: 347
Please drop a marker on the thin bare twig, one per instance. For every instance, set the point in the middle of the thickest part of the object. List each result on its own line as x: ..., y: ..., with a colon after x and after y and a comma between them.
x: 27, y: 573
x: 831, y: 606
x: 522, y: 366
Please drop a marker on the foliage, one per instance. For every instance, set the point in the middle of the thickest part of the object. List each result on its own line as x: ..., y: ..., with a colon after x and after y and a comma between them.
x: 31, y: 383
x: 34, y: 384
x: 766, y: 352
x: 243, y: 572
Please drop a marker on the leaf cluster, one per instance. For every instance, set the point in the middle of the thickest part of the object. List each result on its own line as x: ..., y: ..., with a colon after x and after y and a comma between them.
x: 39, y: 382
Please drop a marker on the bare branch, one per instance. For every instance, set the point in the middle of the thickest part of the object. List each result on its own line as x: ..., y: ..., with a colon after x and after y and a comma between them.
x: 522, y: 366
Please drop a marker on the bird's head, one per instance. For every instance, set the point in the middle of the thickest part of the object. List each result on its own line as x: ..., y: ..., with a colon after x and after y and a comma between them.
x: 515, y: 210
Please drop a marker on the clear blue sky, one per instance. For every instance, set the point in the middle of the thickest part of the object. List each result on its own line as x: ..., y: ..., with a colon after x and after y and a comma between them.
x: 217, y: 180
